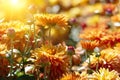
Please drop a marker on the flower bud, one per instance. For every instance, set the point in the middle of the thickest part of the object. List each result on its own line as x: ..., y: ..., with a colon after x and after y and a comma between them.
x: 70, y: 50
x: 11, y: 33
x: 72, y: 21
x: 76, y: 59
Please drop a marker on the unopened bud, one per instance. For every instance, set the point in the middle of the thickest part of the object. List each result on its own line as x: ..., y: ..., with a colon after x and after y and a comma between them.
x: 71, y: 50
x: 11, y: 33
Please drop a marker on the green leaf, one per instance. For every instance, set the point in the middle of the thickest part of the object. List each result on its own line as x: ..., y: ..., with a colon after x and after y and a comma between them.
x: 26, y: 77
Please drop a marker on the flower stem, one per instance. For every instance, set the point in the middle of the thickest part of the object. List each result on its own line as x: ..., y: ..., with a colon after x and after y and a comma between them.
x: 86, y: 55
x: 11, y: 60
x: 97, y: 65
x: 45, y: 73
x: 23, y: 66
x: 89, y: 61
x: 34, y: 36
x: 49, y: 36
x: 70, y: 62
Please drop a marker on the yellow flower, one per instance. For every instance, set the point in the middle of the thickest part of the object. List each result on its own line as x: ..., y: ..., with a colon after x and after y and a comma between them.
x: 58, y: 50
x: 51, y: 20
x: 105, y: 74
x: 109, y: 58
x: 75, y: 76
x: 54, y: 56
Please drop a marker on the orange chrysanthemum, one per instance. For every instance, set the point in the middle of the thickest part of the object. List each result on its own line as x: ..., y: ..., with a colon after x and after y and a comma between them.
x: 51, y: 20
x: 108, y: 40
x: 105, y: 37
x: 109, y: 58
x: 53, y: 56
x: 75, y: 76
x: 4, y: 70
x: 58, y: 50
x: 105, y: 74
x: 117, y: 35
x: 93, y: 33
x: 89, y: 45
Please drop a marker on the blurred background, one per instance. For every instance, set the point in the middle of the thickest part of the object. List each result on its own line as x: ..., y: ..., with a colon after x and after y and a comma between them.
x: 80, y: 13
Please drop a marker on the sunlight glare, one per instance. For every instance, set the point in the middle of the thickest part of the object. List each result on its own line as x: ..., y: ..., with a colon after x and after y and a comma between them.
x: 14, y: 2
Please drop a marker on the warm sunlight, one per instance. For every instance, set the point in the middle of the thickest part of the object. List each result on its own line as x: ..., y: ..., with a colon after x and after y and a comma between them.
x: 12, y: 7
x: 17, y: 4
x: 14, y: 2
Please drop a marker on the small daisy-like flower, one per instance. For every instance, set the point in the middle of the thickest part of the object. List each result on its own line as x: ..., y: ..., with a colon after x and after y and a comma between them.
x: 54, y: 56
x: 51, y: 20
x: 75, y: 76
x: 105, y: 74
x: 89, y: 45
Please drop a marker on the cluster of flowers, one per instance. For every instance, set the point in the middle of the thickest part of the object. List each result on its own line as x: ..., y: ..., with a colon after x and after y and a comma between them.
x: 38, y: 46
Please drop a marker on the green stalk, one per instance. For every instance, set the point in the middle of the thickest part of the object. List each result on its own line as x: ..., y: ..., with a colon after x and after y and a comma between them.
x: 86, y: 55
x: 49, y: 36
x: 23, y: 63
x: 35, y: 35
x: 25, y: 50
x: 11, y: 60
x: 97, y: 65
x: 45, y: 73
x: 70, y: 62
x: 89, y: 61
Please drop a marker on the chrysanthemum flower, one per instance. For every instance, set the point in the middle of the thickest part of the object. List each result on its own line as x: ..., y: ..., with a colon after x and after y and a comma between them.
x: 105, y: 37
x: 75, y: 76
x: 89, y: 45
x: 52, y: 55
x: 108, y: 40
x: 51, y: 20
x: 4, y: 63
x: 105, y: 74
x: 93, y: 33
x: 109, y: 58
x: 117, y: 35
x: 58, y: 50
